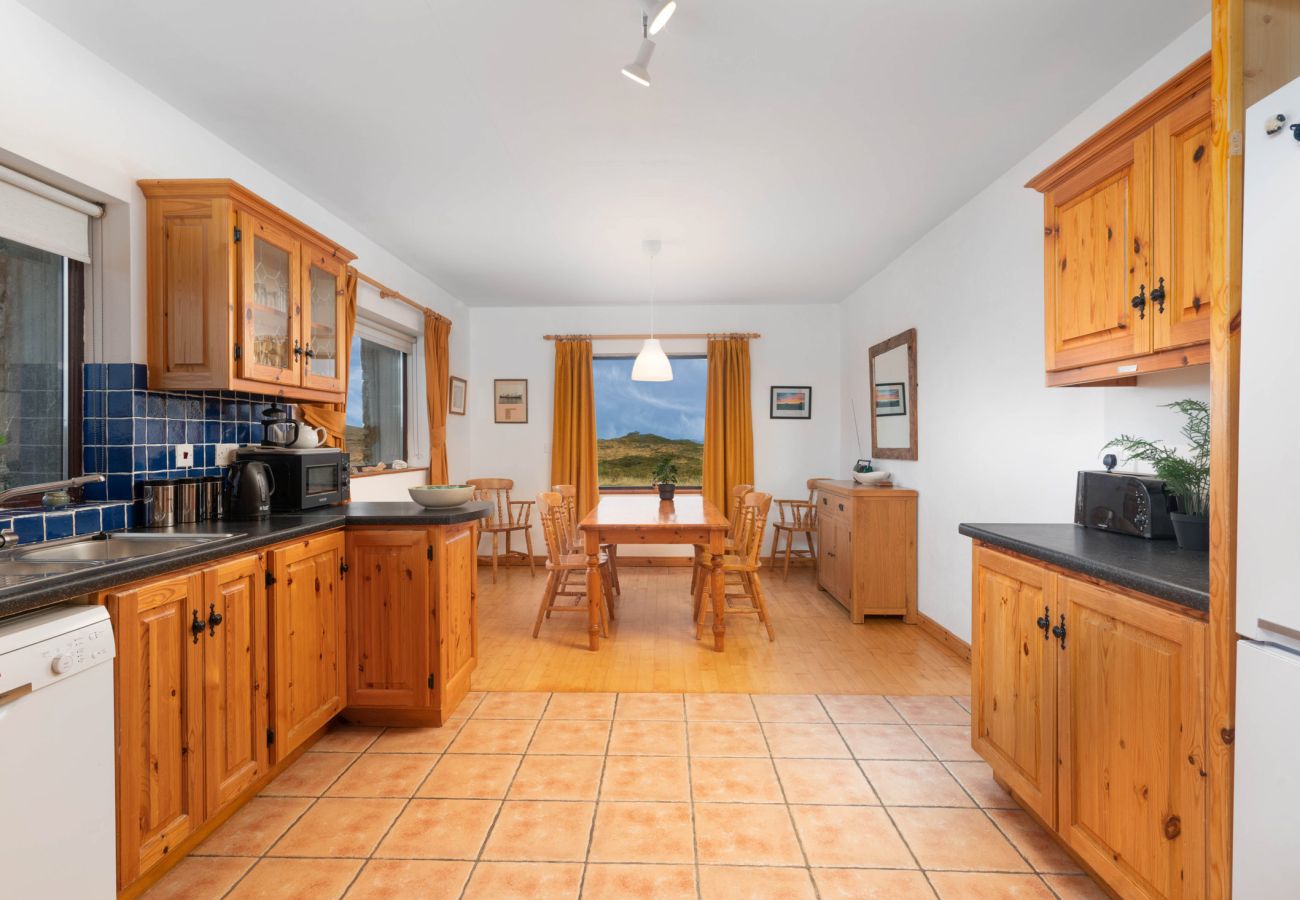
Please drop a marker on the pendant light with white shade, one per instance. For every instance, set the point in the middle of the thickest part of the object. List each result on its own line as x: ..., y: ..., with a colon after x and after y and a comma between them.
x: 652, y: 363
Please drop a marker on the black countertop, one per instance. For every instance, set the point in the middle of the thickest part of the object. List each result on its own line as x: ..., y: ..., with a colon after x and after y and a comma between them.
x: 243, y: 536
x: 1157, y: 568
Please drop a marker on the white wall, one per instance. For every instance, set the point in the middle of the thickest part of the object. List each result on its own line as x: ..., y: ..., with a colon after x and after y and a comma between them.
x: 995, y: 445
x: 68, y: 116
x: 798, y: 346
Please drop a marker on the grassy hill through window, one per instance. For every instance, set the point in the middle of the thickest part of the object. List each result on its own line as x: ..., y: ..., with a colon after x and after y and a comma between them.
x: 642, y: 423
x: 630, y: 460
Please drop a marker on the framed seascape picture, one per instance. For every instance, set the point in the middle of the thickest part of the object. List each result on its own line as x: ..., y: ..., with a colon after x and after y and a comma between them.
x: 791, y: 403
x: 511, y: 400
x: 891, y: 399
x: 456, y: 396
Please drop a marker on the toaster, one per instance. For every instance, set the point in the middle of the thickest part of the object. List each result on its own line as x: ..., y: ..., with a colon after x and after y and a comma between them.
x: 1136, y: 505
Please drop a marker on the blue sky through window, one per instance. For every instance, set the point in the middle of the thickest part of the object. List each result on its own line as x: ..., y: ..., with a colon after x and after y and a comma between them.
x: 672, y: 409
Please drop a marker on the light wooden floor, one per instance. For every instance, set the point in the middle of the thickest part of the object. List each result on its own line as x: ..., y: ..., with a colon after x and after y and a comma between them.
x: 652, y: 644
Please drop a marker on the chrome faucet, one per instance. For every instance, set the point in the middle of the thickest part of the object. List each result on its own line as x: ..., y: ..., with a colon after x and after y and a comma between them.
x: 45, y: 487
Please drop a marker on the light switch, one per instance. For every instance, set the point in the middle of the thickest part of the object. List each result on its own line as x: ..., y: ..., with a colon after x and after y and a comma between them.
x: 184, y: 456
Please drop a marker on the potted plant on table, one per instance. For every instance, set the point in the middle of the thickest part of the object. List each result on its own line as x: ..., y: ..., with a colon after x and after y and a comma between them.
x: 665, y: 478
x: 1187, y: 477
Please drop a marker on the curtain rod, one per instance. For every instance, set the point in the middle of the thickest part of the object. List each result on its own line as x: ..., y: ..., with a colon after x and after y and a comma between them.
x: 695, y: 336
x: 388, y: 293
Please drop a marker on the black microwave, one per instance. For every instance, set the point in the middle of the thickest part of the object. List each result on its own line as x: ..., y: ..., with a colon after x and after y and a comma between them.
x: 304, y: 479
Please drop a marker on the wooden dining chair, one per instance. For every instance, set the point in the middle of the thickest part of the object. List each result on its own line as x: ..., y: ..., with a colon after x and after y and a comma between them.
x: 739, y: 569
x: 569, y: 493
x: 733, y: 518
x: 562, y: 563
x: 507, y: 517
x: 796, y: 517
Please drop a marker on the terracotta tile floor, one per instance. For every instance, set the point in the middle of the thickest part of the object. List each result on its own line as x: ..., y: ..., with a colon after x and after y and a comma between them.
x: 640, y: 795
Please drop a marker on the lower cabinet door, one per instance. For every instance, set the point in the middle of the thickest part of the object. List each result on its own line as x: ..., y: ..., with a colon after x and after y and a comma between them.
x: 159, y: 719
x: 455, y: 577
x: 1132, y: 742
x: 1013, y: 676
x: 389, y: 618
x: 306, y: 621
x: 235, y: 678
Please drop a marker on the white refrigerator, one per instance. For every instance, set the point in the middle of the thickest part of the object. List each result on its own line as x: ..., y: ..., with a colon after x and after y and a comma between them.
x: 1266, y: 831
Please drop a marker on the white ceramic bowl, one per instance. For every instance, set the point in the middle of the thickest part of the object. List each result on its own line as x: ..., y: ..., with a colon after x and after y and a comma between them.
x: 437, y: 496
x: 870, y: 477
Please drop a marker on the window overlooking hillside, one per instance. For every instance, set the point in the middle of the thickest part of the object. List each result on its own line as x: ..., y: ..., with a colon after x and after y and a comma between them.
x: 379, y: 377
x: 639, y: 423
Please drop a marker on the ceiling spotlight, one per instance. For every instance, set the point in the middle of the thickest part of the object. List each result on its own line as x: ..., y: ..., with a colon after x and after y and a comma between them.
x: 658, y: 12
x: 638, y: 69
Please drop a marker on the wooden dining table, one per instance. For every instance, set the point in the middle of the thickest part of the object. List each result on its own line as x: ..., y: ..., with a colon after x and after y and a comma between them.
x: 645, y: 519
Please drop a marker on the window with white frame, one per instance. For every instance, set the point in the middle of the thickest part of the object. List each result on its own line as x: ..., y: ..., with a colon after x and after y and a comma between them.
x: 385, y: 395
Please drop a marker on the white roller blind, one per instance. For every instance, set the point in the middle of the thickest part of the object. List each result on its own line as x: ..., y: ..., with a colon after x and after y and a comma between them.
x: 38, y: 215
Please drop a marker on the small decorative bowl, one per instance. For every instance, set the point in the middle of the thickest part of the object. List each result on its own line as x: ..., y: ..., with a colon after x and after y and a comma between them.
x: 439, y: 496
x: 877, y: 477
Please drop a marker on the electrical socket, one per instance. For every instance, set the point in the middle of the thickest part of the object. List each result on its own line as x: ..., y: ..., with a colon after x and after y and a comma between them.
x: 184, y: 456
x: 225, y: 454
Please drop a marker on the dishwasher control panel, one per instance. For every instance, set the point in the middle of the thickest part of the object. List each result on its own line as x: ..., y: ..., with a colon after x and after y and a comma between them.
x: 53, y: 645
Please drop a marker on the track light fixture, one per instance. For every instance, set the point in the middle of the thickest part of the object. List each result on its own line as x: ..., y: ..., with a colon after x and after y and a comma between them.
x: 654, y: 16
x: 639, y: 69
x: 657, y: 13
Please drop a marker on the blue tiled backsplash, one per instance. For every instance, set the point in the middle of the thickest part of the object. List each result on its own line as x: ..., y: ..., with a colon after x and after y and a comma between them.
x: 129, y: 433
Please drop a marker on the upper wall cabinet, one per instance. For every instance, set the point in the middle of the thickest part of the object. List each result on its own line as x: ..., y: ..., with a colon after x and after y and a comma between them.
x: 242, y: 296
x: 1127, y: 219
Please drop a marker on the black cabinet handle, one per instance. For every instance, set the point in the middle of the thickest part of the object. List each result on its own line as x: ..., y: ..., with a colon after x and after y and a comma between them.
x: 297, y: 348
x: 214, y: 619
x: 196, y: 626
x: 311, y: 354
x: 1140, y: 301
x: 1158, y: 296
x: 1045, y: 622
x: 1059, y: 631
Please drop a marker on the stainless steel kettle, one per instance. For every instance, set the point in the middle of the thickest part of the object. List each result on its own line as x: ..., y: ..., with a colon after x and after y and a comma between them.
x: 251, y: 487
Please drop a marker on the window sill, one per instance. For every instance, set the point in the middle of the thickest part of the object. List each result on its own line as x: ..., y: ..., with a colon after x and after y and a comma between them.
x: 407, y: 471
x: 635, y: 490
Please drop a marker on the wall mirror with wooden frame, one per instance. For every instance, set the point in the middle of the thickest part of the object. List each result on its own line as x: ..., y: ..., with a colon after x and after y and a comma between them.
x: 893, y: 397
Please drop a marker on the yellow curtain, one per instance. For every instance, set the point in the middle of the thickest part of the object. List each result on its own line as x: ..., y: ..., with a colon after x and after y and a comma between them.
x: 573, y: 440
x: 728, y: 421
x: 333, y: 416
x: 437, y: 381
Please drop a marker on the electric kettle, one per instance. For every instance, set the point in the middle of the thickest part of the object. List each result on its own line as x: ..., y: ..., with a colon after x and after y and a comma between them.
x: 251, y: 487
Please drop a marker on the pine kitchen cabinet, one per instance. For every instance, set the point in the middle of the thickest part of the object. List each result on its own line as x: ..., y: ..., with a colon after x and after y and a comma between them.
x: 191, y: 703
x: 306, y: 603
x: 412, y: 640
x: 1088, y: 702
x: 1127, y: 219
x: 241, y: 296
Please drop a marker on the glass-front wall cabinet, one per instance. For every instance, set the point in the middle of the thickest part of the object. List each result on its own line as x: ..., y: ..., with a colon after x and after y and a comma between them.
x: 272, y: 348
x: 322, y: 325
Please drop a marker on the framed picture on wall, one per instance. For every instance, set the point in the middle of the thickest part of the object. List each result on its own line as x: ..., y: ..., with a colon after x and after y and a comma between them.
x: 456, y: 396
x: 891, y: 399
x: 511, y: 400
x: 791, y: 403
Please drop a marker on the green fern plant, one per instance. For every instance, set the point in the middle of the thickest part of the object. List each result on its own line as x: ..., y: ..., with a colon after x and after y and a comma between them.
x: 1187, y: 477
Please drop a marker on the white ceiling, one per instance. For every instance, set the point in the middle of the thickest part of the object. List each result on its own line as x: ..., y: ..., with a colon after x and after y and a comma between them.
x: 785, y: 152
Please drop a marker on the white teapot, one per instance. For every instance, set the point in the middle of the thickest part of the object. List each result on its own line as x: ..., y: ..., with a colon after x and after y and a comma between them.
x: 308, y: 437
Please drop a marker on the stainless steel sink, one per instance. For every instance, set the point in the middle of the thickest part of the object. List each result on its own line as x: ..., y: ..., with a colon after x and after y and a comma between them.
x: 110, y: 547
x: 15, y: 571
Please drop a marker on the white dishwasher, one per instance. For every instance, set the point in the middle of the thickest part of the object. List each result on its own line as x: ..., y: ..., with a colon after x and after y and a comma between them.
x: 57, y: 815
